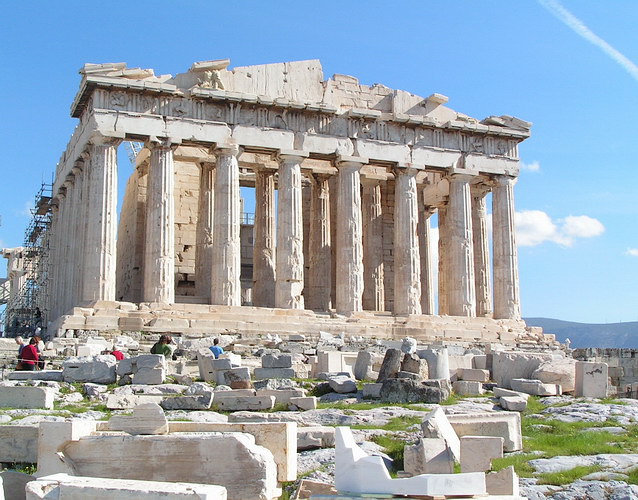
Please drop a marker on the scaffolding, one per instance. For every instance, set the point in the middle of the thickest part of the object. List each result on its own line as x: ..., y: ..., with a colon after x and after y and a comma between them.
x: 28, y: 309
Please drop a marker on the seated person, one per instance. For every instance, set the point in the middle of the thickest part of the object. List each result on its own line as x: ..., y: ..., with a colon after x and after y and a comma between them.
x: 216, y: 349
x: 162, y: 346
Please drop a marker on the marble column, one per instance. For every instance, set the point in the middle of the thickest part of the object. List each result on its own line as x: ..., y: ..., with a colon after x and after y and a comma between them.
x: 101, y: 235
x: 349, y: 273
x: 226, y: 272
x: 462, y: 295
x: 264, y: 239
x: 506, y: 294
x: 53, y: 260
x: 481, y: 251
x: 425, y: 241
x: 57, y: 306
x: 80, y: 173
x: 159, y: 252
x: 443, y: 260
x: 204, y: 230
x: 66, y: 278
x: 320, y: 246
x: 407, y: 261
x: 290, y: 259
x: 372, y: 214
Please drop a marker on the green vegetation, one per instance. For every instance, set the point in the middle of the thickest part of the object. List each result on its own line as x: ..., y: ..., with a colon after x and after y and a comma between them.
x: 338, y: 405
x: 395, y: 424
x: 567, y: 476
x: 393, y: 446
x: 520, y: 461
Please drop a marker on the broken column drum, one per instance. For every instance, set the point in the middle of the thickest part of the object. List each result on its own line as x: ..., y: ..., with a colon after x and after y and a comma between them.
x: 346, y: 202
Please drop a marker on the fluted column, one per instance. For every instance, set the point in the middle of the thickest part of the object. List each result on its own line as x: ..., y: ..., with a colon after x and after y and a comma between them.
x: 100, y: 244
x: 425, y: 240
x: 443, y: 261
x: 53, y: 260
x: 80, y: 172
x: 462, y: 295
x: 159, y: 254
x: 407, y: 261
x: 225, y: 282
x: 204, y: 230
x: 481, y: 252
x: 66, y: 278
x: 264, y: 239
x: 290, y: 260
x: 349, y: 273
x: 320, y: 246
x: 58, y: 262
x: 506, y: 294
x: 372, y: 214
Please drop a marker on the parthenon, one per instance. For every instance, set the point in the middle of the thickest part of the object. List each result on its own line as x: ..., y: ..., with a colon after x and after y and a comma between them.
x: 346, y: 179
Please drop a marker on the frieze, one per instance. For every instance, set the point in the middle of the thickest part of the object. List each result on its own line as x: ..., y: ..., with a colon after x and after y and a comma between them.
x: 297, y: 117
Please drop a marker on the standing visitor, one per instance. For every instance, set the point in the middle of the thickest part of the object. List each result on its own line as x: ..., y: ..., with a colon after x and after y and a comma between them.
x: 30, y: 357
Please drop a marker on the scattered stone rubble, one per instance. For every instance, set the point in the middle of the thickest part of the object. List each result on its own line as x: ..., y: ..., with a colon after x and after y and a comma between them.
x: 253, y: 404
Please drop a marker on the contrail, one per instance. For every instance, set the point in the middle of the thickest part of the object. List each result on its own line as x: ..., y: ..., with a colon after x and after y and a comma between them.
x: 576, y: 25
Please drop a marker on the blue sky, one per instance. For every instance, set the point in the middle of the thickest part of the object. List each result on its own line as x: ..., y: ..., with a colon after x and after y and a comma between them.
x: 572, y: 77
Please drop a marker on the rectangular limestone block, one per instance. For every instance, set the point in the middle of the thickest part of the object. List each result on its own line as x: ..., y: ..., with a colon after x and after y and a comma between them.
x: 428, y: 456
x: 232, y: 460
x: 503, y: 482
x: 50, y: 375
x: 535, y: 387
x: 52, y: 436
x: 502, y: 424
x: 372, y: 391
x: 276, y: 361
x: 101, y: 323
x: 477, y: 452
x: 68, y: 487
x: 130, y: 401
x: 279, y: 437
x: 591, y: 380
x: 282, y: 395
x: 304, y: 403
x: 26, y: 397
x: 245, y: 403
x: 262, y: 373
x: 18, y: 443
x: 474, y: 375
x: 126, y: 323
x: 466, y: 388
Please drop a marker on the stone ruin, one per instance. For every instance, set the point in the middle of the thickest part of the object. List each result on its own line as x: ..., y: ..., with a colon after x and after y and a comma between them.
x: 358, y: 171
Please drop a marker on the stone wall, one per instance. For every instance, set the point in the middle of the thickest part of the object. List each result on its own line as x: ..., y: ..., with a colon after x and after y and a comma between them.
x: 623, y: 366
x: 387, y: 210
x: 130, y: 240
x: 186, y: 200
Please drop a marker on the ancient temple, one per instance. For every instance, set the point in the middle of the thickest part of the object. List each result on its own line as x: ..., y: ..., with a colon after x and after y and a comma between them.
x: 346, y: 179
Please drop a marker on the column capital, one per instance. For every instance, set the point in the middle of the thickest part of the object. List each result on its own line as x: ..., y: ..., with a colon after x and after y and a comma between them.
x: 102, y: 140
x: 290, y: 155
x: 480, y: 189
x: 154, y: 142
x: 226, y: 149
x: 460, y: 175
x: 409, y: 169
x: 504, y: 180
x: 351, y: 161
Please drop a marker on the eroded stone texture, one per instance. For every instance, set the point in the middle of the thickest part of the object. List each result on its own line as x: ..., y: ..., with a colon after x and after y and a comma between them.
x: 251, y: 473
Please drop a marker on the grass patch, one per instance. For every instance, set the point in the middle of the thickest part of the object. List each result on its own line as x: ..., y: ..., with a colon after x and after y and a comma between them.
x: 452, y: 400
x: 612, y: 401
x: 568, y: 438
x: 25, y: 468
x: 394, y: 448
x: 75, y: 408
x: 396, y: 424
x: 567, y: 476
x: 633, y: 477
x: 520, y: 461
x: 533, y: 406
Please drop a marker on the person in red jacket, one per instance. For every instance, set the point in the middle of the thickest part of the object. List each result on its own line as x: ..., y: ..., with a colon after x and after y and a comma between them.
x: 30, y: 355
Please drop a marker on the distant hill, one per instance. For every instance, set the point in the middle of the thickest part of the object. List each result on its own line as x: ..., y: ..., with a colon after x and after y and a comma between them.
x: 590, y: 334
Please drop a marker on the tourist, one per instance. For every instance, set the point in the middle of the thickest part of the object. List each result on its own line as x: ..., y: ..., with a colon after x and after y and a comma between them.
x: 30, y: 357
x: 118, y: 355
x: 216, y: 349
x: 39, y: 344
x: 163, y: 347
x: 21, y: 344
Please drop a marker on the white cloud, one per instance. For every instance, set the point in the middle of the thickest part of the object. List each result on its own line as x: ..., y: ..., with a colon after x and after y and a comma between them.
x: 632, y: 251
x: 26, y: 209
x: 534, y: 227
x: 581, y: 226
x: 576, y: 25
x: 531, y: 167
